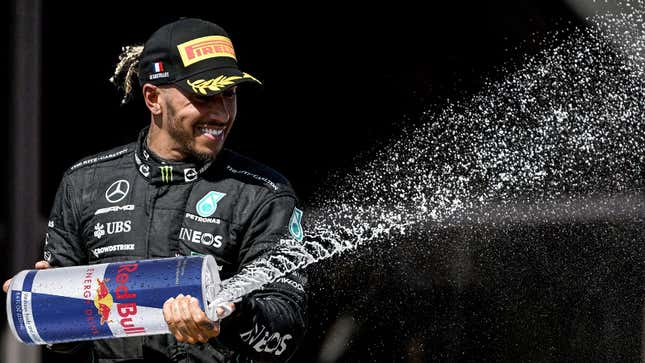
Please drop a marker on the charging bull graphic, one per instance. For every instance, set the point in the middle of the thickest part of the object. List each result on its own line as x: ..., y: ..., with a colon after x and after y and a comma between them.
x: 103, y: 300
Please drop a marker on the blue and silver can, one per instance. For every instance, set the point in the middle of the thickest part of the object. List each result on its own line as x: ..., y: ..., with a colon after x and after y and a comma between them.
x: 110, y: 300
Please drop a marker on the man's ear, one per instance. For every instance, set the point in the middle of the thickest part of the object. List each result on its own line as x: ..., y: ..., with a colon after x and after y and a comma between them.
x: 151, y: 98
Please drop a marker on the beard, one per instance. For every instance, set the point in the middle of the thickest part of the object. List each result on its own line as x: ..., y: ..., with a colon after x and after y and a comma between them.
x: 186, y: 143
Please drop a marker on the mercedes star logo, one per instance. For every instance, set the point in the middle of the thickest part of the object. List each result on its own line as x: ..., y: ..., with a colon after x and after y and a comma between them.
x: 117, y: 191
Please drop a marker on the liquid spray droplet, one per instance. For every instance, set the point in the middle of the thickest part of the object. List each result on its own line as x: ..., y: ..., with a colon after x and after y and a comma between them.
x: 557, y: 138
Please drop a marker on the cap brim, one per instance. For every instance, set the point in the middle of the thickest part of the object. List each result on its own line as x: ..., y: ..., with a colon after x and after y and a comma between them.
x: 212, y: 82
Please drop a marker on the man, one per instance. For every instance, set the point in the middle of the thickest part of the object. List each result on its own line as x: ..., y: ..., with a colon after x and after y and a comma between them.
x: 176, y: 191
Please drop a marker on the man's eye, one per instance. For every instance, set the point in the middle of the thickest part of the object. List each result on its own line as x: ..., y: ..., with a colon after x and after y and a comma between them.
x: 229, y: 93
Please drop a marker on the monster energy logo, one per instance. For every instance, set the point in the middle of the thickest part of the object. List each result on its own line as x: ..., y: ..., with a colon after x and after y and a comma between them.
x: 166, y: 173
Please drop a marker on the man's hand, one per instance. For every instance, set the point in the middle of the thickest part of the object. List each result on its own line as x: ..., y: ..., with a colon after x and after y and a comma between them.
x: 40, y: 265
x: 187, y: 322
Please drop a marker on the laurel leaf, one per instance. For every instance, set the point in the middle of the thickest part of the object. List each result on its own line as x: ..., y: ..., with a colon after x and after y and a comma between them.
x: 217, y: 83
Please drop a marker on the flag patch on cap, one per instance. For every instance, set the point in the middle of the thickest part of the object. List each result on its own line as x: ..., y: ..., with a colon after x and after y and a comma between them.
x: 157, y: 67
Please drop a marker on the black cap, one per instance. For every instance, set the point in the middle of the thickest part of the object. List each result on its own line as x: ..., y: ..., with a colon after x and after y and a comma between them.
x: 193, y: 54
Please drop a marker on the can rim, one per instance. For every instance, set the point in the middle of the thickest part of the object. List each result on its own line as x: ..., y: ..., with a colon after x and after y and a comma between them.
x: 211, y: 285
x: 18, y: 277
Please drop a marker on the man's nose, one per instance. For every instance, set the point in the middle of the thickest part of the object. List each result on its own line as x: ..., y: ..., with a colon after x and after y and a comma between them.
x: 218, y: 108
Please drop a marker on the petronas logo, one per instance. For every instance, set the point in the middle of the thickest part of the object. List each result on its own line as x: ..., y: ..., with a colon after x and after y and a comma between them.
x: 208, y: 204
x: 166, y: 173
x: 295, y: 225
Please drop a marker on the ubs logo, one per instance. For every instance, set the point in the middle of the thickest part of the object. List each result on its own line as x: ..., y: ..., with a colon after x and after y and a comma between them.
x: 117, y: 191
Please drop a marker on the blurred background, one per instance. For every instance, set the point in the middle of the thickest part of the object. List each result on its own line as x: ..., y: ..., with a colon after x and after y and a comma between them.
x: 340, y: 81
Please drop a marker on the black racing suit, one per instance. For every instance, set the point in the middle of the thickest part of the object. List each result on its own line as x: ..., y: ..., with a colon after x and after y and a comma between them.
x: 128, y: 204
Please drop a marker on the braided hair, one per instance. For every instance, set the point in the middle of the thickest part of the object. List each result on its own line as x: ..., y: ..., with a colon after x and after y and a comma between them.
x: 126, y: 70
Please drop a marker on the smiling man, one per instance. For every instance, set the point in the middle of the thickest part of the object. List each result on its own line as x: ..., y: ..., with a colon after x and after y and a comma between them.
x: 176, y: 191
x: 189, y: 74
x: 185, y: 125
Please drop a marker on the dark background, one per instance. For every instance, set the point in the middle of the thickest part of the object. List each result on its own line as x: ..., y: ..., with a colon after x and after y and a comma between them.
x: 340, y: 81
x: 337, y: 80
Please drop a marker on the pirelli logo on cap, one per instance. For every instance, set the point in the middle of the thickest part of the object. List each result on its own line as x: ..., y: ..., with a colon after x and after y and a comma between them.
x: 199, y: 49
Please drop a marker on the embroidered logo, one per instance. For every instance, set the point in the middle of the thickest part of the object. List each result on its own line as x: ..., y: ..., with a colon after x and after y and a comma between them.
x: 166, y: 173
x: 208, y: 204
x: 202, y: 48
x: 99, y: 230
x: 295, y: 225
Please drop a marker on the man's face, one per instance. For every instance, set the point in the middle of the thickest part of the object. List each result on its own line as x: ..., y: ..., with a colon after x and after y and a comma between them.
x: 198, y: 125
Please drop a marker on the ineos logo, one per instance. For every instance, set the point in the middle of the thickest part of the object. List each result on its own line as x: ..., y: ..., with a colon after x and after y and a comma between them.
x: 117, y: 191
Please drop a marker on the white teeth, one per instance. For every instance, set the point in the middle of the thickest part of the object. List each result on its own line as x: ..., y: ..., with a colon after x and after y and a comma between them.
x: 213, y: 132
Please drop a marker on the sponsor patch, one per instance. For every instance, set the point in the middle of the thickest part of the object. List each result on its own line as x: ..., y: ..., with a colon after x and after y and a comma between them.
x: 296, y: 285
x: 127, y: 207
x: 208, y: 204
x: 199, y: 49
x: 205, y: 238
x: 112, y: 227
x: 166, y: 173
x: 190, y: 174
x: 97, y: 252
x: 98, y: 158
x: 295, y: 225
x: 264, y: 341
x: 159, y: 75
x: 254, y: 176
x: 202, y: 219
x: 117, y: 191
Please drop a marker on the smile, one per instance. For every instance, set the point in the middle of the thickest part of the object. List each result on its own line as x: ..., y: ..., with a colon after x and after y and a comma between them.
x: 211, y: 133
x: 214, y: 132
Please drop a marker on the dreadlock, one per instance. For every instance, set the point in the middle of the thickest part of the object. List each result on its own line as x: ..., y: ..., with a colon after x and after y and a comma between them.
x: 126, y: 70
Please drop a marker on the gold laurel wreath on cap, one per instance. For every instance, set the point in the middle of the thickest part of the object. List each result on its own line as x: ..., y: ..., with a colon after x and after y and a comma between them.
x: 217, y: 84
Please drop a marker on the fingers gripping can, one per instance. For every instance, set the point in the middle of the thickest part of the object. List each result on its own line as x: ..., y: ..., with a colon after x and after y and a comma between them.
x: 108, y: 300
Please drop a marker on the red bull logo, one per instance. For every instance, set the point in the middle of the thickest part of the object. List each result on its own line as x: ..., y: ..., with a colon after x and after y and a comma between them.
x: 103, y: 301
x: 121, y: 298
x: 126, y: 310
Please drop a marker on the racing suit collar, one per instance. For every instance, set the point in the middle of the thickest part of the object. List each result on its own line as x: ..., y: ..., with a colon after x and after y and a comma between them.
x: 160, y: 171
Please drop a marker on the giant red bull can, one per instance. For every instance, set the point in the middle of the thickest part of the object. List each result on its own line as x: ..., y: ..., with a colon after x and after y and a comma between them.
x: 108, y: 300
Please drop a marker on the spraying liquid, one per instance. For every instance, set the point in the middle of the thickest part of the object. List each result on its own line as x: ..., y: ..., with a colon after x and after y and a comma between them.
x: 560, y: 136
